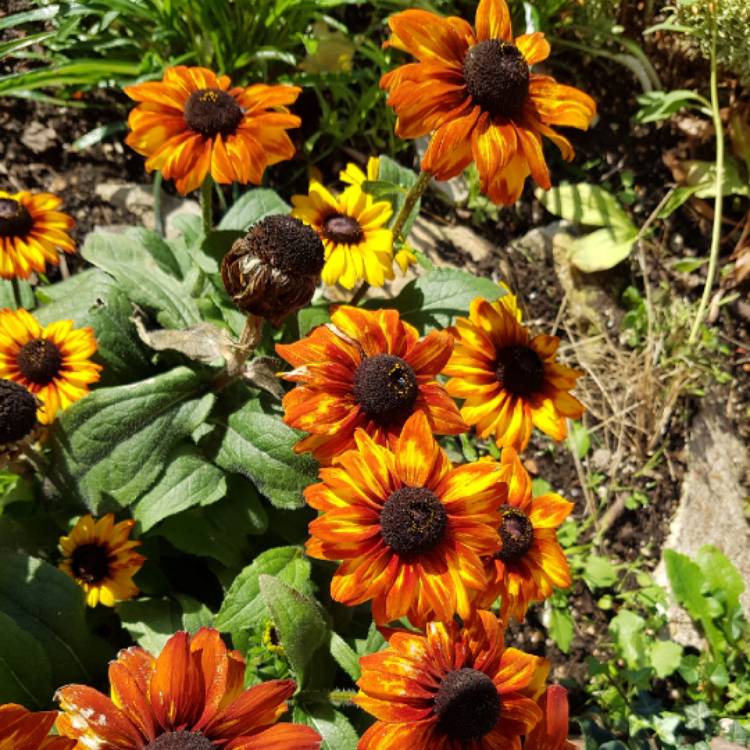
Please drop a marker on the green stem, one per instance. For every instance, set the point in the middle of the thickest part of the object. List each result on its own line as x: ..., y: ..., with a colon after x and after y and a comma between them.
x: 16, y: 292
x: 207, y: 204
x: 719, y: 200
x: 158, y: 222
x: 414, y: 194
x: 361, y: 291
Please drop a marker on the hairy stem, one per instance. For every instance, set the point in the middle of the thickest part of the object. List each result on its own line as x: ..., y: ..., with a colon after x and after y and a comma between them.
x: 16, y: 292
x: 414, y: 194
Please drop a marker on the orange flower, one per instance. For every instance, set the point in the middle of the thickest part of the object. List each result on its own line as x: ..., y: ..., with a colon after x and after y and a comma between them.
x: 551, y: 733
x: 531, y: 561
x: 192, y: 123
x: 409, y: 527
x: 31, y: 230
x: 473, y: 90
x: 450, y: 689
x: 190, y: 697
x: 366, y: 369
x: 509, y: 380
x: 20, y: 729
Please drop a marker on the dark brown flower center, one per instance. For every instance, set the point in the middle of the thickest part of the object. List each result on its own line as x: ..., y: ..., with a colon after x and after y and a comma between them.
x: 385, y: 387
x: 181, y: 741
x: 15, y: 220
x: 39, y: 361
x: 520, y: 370
x: 342, y: 229
x: 497, y: 77
x: 413, y: 521
x: 212, y: 111
x: 90, y: 562
x: 467, y: 705
x: 17, y: 412
x: 288, y: 245
x: 516, y: 533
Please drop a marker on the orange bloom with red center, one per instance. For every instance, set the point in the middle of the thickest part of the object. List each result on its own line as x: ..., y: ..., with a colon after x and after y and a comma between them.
x: 31, y: 231
x: 190, y: 697
x: 370, y: 370
x: 530, y: 562
x: 192, y: 124
x: 509, y: 381
x: 474, y: 91
x: 452, y: 688
x: 551, y: 733
x: 21, y: 729
x: 410, y: 528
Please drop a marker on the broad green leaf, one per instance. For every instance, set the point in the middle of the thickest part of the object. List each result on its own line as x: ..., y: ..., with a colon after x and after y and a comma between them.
x: 599, y: 572
x: 253, y: 206
x: 188, y: 480
x: 260, y: 446
x: 437, y: 298
x: 25, y: 671
x: 298, y: 619
x: 676, y: 198
x: 345, y: 656
x: 49, y: 606
x: 627, y: 630
x: 688, y: 265
x: 584, y: 204
x: 142, y: 278
x: 580, y: 438
x: 665, y: 657
x: 561, y: 628
x: 93, y: 298
x: 602, y: 249
x: 702, y: 175
x: 722, y: 576
x: 335, y: 729
x: 8, y: 299
x: 243, y: 607
x: 111, y: 446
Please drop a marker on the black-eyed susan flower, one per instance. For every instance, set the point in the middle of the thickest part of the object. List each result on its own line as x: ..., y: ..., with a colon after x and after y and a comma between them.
x: 32, y: 230
x: 551, y: 733
x: 453, y: 688
x: 189, y: 697
x: 530, y: 561
x: 21, y: 729
x: 99, y: 556
x: 273, y: 271
x: 18, y: 422
x: 410, y: 529
x: 366, y: 369
x: 509, y: 381
x: 473, y: 90
x: 355, y: 234
x: 193, y: 123
x: 53, y: 362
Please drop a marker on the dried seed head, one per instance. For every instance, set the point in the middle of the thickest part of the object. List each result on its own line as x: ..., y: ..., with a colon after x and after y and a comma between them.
x: 17, y: 412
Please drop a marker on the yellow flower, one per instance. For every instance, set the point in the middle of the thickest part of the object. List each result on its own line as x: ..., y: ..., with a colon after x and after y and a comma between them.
x: 99, y: 556
x: 353, y: 226
x: 53, y: 362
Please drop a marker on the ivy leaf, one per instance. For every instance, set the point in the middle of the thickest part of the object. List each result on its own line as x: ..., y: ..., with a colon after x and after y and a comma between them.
x: 251, y: 207
x: 111, y: 446
x: 25, y: 671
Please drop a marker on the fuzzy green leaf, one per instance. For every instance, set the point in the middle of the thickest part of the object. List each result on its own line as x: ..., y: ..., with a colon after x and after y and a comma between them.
x: 253, y: 206
x: 335, y: 729
x: 25, y: 671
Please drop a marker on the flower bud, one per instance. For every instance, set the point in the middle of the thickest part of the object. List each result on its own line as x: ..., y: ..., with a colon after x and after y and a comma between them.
x: 272, y: 272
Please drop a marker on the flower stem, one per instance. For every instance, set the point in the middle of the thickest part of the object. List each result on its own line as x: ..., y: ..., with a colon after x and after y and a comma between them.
x: 414, y: 194
x: 359, y: 293
x: 16, y: 292
x: 206, y: 204
x: 718, y: 200
x: 158, y: 222
x: 251, y: 336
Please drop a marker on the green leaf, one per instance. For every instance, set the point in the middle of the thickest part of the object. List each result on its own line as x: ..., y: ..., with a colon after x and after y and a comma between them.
x: 345, y: 656
x: 243, y: 607
x: 580, y: 439
x: 627, y: 630
x: 25, y: 671
x: 335, y: 729
x: 435, y: 299
x: 722, y: 576
x: 665, y: 657
x: 49, y: 606
x: 111, y: 446
x: 599, y: 572
x: 686, y: 580
x: 29, y: 16
x: 584, y: 204
x: 561, y: 628
x: 659, y: 105
x: 688, y: 265
x: 602, y: 249
x: 702, y: 175
x: 8, y: 298
x: 253, y: 206
x: 260, y: 447
x: 188, y: 480
x: 142, y: 278
x: 299, y: 621
x: 676, y: 198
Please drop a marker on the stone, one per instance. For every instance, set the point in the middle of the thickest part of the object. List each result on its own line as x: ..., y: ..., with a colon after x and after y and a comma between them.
x: 438, y: 239
x: 38, y: 138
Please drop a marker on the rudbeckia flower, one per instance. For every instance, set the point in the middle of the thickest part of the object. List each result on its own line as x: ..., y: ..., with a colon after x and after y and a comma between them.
x: 508, y: 380
x: 366, y: 369
x: 31, y: 231
x: 530, y: 562
x: 409, y: 527
x: 21, y: 729
x: 453, y: 688
x: 190, y: 697
x: 355, y: 234
x: 191, y: 124
x: 53, y: 362
x: 473, y: 90
x: 99, y: 556
x: 551, y: 733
